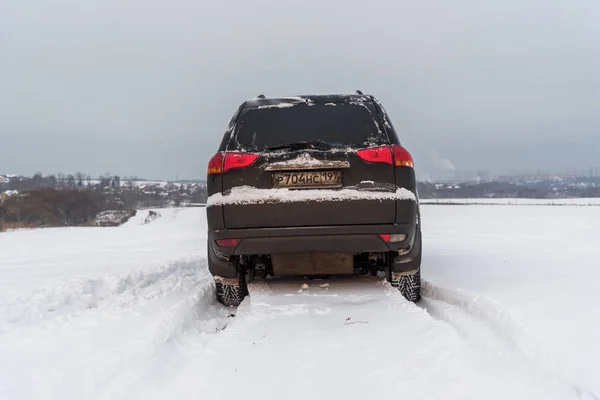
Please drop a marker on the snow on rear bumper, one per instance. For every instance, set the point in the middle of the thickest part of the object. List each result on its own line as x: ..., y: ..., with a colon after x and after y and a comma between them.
x: 249, y: 195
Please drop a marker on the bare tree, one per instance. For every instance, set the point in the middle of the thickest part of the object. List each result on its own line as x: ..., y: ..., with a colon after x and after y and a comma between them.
x: 50, y: 181
x: 104, y: 181
x: 61, y: 179
x: 80, y: 177
x: 116, y: 182
x: 37, y: 180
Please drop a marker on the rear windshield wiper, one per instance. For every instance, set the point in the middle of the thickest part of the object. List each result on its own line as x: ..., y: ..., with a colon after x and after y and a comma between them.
x: 312, y: 144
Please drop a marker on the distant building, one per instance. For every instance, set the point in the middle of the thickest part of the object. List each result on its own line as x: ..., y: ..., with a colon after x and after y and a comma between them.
x: 3, y: 179
x: 7, y: 194
x: 484, y: 176
x: 458, y: 176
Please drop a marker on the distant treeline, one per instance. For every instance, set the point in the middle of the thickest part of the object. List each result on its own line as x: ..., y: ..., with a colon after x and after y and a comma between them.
x: 65, y: 181
x: 533, y: 190
x: 51, y: 207
x: 75, y: 200
x: 124, y: 188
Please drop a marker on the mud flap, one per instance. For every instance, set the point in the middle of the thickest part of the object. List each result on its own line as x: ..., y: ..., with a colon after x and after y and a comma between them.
x: 220, y: 267
x: 411, y: 263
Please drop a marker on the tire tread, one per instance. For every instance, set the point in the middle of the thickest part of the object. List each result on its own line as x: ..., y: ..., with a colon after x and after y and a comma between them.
x: 232, y: 294
x: 409, y: 286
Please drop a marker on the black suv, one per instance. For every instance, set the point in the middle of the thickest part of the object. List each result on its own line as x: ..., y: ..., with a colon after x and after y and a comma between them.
x: 313, y: 186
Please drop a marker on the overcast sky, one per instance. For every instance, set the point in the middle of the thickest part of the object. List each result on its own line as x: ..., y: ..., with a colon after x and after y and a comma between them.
x: 146, y: 87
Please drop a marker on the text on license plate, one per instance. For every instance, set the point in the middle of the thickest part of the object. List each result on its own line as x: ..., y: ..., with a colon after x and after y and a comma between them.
x: 307, y: 179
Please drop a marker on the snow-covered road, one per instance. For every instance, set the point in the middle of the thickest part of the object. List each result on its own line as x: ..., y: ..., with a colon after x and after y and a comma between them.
x: 509, y: 310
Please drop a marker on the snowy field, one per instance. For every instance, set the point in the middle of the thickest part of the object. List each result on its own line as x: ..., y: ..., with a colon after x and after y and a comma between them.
x: 518, y: 202
x: 510, y: 310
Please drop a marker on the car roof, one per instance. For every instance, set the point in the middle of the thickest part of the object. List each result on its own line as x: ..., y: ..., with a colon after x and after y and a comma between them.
x: 262, y: 101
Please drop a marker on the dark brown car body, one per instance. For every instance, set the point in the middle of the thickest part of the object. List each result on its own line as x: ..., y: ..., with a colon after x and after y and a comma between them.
x: 347, y: 192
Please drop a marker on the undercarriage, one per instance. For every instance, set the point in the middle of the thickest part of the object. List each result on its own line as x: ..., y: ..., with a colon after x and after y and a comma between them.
x: 231, y: 291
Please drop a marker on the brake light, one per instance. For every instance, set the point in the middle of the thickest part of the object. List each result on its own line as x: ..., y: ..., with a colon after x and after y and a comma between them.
x: 393, y: 237
x: 402, y: 157
x: 215, y: 165
x: 223, y: 162
x: 381, y: 154
x: 238, y: 160
x: 228, y: 242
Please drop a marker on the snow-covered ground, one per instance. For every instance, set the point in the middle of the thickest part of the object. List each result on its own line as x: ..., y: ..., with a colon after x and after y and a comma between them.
x: 509, y: 311
x: 579, y: 201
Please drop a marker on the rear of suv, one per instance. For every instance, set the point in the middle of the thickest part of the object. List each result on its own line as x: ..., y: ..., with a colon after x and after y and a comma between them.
x: 313, y: 186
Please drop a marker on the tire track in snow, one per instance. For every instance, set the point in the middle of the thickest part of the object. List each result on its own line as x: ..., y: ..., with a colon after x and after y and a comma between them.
x: 112, y: 348
x: 298, y: 332
x: 114, y: 343
x: 292, y: 334
x: 197, y: 312
x: 483, y: 320
x: 64, y: 300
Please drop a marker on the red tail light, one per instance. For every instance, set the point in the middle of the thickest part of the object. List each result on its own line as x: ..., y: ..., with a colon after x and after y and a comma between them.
x: 215, y: 165
x: 402, y: 157
x: 376, y: 154
x: 393, y: 237
x: 238, y: 160
x: 223, y: 162
x: 228, y: 242
x: 385, y: 237
x: 395, y: 155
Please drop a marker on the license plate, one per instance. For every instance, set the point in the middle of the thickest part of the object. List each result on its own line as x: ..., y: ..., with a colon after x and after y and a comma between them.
x: 307, y: 179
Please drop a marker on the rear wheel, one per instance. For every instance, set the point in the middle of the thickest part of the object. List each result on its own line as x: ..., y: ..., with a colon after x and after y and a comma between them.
x: 231, y: 291
x: 409, y: 285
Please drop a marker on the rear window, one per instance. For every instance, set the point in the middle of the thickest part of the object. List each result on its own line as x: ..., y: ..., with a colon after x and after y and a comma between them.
x: 337, y: 124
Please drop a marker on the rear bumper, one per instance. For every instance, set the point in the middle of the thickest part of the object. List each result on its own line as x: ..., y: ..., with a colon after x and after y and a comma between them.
x: 343, y: 239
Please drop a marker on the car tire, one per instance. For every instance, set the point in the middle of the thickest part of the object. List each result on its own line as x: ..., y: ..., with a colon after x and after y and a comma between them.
x: 409, y: 284
x: 231, y: 291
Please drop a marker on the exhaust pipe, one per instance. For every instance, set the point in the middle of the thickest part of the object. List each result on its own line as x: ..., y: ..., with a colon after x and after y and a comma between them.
x: 373, y: 258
